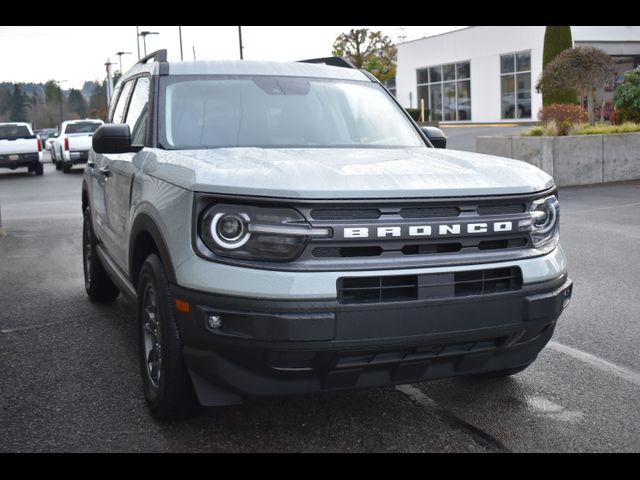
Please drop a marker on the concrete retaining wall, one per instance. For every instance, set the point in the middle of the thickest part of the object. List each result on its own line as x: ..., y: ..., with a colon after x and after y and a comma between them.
x: 573, y: 160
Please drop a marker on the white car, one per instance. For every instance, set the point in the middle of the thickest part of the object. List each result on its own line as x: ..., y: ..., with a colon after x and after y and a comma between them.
x: 20, y: 147
x: 72, y: 145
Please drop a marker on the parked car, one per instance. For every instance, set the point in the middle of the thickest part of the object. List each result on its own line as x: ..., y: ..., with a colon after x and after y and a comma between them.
x: 20, y: 147
x: 286, y: 228
x: 71, y: 146
x: 44, y: 134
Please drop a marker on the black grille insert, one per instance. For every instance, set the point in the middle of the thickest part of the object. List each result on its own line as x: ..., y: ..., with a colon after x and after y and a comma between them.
x: 377, y: 289
x: 433, y: 285
x: 345, y: 213
x: 429, y: 212
x: 347, y: 251
x: 501, y: 209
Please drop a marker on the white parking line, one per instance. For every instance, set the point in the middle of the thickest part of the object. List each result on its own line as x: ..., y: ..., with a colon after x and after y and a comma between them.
x: 597, y: 362
x: 479, y: 435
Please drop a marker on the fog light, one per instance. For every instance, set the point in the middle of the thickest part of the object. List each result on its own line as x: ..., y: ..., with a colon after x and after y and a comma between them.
x: 214, y: 322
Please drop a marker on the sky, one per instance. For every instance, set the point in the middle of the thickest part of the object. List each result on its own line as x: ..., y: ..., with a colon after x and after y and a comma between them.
x: 78, y: 53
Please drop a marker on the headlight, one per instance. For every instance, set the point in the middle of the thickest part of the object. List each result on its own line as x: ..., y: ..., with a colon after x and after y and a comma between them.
x: 545, y: 215
x: 272, y: 234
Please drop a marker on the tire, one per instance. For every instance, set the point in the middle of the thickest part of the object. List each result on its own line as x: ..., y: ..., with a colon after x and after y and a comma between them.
x: 66, y: 167
x: 39, y: 169
x: 166, y: 382
x: 100, y: 288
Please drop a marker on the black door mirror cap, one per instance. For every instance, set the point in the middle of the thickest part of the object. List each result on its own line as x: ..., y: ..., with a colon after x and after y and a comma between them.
x: 113, y: 138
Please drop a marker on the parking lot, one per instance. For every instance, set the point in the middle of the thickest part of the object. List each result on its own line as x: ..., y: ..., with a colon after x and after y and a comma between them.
x: 70, y: 379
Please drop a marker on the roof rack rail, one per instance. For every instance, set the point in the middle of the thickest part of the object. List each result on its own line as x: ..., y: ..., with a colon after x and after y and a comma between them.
x: 332, y: 61
x: 158, y: 56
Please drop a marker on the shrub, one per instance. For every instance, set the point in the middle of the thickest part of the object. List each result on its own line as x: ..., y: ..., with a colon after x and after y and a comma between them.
x: 627, y: 96
x: 603, y: 129
x: 564, y: 116
x: 415, y: 113
x: 556, y: 40
x: 615, y: 118
x: 582, y: 68
x: 536, y: 131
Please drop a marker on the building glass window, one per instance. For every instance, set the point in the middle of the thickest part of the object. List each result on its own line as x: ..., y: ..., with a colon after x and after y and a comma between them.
x: 391, y: 85
x: 446, y: 90
x: 515, y: 82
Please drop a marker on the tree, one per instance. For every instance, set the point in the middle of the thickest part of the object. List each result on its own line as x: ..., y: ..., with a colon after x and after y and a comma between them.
x: 371, y: 51
x: 77, y: 103
x: 556, y: 40
x: 582, y: 68
x: 627, y: 96
x: 17, y: 105
x: 98, y: 107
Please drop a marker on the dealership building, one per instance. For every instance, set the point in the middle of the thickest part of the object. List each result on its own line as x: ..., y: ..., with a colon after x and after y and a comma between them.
x: 488, y: 74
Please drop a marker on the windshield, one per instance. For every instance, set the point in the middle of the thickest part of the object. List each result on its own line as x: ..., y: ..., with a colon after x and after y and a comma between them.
x: 85, y: 127
x: 269, y: 111
x: 12, y: 132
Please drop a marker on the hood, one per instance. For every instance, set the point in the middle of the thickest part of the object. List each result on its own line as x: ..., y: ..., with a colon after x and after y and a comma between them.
x: 330, y: 173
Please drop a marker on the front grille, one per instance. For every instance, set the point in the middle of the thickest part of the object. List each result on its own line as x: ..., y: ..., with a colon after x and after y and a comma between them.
x: 429, y: 212
x: 345, y: 214
x: 428, y: 286
x: 469, y: 245
x: 502, y: 209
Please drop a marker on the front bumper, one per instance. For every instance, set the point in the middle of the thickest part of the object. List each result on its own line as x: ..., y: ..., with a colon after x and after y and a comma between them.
x: 19, y: 160
x: 276, y: 347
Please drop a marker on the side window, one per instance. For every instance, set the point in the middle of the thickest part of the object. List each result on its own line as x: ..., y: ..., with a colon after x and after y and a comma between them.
x: 138, y: 111
x: 122, y: 102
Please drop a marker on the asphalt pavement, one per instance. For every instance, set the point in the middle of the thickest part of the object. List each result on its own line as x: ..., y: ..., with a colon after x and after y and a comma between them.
x: 69, y: 376
x: 463, y: 137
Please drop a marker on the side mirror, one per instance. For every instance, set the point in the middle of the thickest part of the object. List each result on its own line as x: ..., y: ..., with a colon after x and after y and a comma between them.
x: 435, y: 136
x: 113, y: 138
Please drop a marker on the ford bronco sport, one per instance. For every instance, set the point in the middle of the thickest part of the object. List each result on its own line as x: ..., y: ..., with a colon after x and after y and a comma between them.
x: 287, y: 228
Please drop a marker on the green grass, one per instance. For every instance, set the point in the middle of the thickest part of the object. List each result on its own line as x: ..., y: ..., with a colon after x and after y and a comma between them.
x: 602, y: 129
x: 583, y: 129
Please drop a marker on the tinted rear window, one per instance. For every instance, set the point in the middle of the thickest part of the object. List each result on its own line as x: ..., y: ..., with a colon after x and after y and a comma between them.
x: 11, y: 132
x: 87, y: 127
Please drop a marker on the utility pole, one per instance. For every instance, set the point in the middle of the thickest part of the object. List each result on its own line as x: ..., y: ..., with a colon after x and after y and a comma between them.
x: 119, y: 54
x: 138, y: 41
x: 60, y: 102
x: 109, y: 81
x: 180, y: 34
x: 194, y: 51
x: 240, y: 40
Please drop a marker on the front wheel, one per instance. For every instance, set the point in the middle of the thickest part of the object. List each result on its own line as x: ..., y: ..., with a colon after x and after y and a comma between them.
x: 166, y: 381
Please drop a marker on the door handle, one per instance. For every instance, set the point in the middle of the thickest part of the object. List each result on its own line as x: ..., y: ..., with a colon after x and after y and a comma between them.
x: 91, y: 164
x: 105, y: 171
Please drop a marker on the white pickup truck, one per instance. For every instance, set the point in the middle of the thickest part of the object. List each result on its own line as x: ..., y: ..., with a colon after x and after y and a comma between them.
x: 73, y: 143
x: 20, y: 147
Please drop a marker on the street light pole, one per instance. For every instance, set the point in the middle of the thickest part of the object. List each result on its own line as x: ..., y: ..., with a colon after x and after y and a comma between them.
x: 240, y: 40
x: 180, y: 34
x: 144, y: 39
x: 138, y: 41
x: 119, y: 54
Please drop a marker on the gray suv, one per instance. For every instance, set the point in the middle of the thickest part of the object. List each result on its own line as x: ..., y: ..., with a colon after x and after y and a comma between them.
x: 286, y: 228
